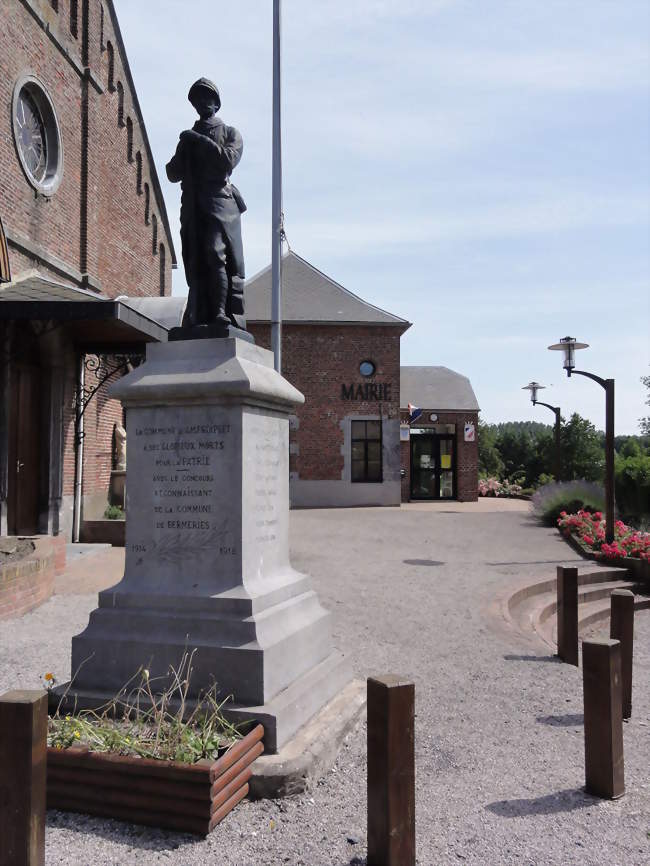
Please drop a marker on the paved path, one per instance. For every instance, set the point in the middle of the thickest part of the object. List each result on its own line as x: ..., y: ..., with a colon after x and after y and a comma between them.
x: 499, y: 743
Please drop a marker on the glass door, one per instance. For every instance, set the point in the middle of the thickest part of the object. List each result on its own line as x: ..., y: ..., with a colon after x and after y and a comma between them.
x: 423, y: 467
x: 432, y: 466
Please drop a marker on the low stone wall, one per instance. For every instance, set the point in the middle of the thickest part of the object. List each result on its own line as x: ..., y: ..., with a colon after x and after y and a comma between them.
x: 30, y: 581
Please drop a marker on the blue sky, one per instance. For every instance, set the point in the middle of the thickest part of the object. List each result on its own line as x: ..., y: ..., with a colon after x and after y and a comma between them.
x: 479, y: 167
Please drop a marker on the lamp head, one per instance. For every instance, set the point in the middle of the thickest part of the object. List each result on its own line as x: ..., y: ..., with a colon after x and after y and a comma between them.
x: 568, y: 345
x: 533, y: 387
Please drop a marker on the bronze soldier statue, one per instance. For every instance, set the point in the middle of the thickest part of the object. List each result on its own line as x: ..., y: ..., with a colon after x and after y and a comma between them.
x: 211, y: 208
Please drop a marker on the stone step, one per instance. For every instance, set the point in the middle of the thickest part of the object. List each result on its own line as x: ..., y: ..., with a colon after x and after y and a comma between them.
x: 546, y: 622
x: 585, y: 578
x: 535, y: 612
x: 533, y: 608
x: 597, y: 611
x: 586, y: 594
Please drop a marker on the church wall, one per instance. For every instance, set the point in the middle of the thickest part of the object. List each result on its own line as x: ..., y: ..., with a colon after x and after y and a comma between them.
x: 99, y: 229
x: 52, y: 224
x: 103, y: 228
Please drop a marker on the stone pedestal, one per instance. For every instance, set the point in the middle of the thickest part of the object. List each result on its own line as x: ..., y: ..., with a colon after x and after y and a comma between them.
x: 207, y: 547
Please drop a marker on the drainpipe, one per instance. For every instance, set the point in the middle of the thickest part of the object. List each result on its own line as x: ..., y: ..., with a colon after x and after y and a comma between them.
x: 79, y: 449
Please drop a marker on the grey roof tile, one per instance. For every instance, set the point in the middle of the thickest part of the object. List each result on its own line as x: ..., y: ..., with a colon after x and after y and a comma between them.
x: 436, y: 388
x: 308, y: 295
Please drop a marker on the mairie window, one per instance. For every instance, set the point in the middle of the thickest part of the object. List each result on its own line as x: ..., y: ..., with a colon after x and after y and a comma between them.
x: 366, y: 452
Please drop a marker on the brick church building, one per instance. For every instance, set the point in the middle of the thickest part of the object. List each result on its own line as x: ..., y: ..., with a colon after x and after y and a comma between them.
x: 85, y: 257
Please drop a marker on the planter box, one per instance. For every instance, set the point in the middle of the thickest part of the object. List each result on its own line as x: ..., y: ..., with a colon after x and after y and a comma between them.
x: 638, y: 569
x: 103, y: 532
x: 192, y: 798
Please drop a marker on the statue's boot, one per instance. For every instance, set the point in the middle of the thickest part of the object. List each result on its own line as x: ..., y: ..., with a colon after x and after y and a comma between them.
x: 236, y: 303
x: 221, y: 297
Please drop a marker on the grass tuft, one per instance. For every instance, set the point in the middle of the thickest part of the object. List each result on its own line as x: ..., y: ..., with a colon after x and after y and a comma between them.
x: 142, y: 720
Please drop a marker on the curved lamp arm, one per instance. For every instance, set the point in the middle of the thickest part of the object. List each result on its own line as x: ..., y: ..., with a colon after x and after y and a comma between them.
x: 555, y: 409
x: 602, y: 382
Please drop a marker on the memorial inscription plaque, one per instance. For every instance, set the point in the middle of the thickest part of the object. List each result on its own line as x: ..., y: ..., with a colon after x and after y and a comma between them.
x: 180, y: 508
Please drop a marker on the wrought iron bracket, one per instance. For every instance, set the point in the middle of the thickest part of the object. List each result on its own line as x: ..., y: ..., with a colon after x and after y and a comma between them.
x: 103, y: 367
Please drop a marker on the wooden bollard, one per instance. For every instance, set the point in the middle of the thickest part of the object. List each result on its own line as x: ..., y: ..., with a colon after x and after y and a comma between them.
x: 23, y: 764
x: 391, y: 771
x: 622, y: 629
x: 601, y: 673
x: 567, y: 614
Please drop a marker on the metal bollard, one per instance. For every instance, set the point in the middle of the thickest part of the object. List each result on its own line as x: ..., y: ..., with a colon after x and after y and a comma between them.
x: 622, y: 629
x: 601, y: 673
x: 567, y: 614
x: 23, y: 764
x: 391, y: 771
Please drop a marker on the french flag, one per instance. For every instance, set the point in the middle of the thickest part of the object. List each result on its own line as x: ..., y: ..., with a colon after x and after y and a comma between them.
x: 414, y: 412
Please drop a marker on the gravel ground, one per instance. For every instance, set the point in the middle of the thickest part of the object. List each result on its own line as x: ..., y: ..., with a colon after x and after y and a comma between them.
x: 499, y: 743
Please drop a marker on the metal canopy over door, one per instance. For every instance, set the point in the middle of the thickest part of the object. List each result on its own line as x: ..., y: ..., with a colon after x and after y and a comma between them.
x: 24, y: 452
x: 432, y: 466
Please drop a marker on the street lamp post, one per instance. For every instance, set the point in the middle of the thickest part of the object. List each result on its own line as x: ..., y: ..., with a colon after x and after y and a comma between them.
x: 568, y: 345
x: 534, y: 387
x: 276, y: 194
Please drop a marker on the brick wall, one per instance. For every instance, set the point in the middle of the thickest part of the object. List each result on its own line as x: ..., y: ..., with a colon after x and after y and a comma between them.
x: 318, y: 360
x: 466, y: 453
x: 30, y: 581
x: 127, y: 226
x: 52, y: 223
x: 96, y: 223
x: 100, y: 416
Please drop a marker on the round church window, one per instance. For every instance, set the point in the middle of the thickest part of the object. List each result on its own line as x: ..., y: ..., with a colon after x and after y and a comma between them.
x: 37, y: 135
x: 367, y: 368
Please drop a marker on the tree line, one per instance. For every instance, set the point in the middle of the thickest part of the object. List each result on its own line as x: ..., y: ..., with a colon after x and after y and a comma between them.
x: 523, y: 452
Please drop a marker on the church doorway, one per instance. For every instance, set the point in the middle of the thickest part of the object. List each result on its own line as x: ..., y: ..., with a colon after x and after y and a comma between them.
x: 24, y: 451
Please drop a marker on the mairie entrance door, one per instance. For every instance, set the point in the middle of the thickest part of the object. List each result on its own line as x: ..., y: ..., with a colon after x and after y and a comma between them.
x: 24, y: 456
x: 432, y: 466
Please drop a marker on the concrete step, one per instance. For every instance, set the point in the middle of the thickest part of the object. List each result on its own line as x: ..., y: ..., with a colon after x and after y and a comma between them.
x: 533, y: 608
x: 549, y: 585
x: 589, y: 598
x: 595, y: 612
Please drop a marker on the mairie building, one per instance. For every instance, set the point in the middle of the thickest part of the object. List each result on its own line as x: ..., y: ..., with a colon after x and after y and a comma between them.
x: 354, y: 441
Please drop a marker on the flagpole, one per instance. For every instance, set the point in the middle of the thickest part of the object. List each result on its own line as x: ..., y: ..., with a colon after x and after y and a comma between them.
x: 276, y: 197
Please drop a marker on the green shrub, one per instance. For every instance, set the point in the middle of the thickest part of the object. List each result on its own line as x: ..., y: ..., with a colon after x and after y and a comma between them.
x: 570, y: 496
x: 114, y: 512
x: 633, y: 486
